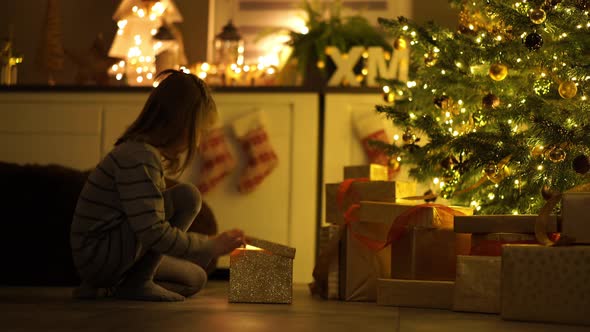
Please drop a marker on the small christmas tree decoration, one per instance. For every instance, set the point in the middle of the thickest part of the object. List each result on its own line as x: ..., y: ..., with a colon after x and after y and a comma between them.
x: 567, y: 89
x: 400, y: 44
x: 498, y: 71
x: 443, y: 102
x: 537, y: 16
x: 581, y: 164
x: 490, y: 101
x: 556, y: 154
x: 533, y: 41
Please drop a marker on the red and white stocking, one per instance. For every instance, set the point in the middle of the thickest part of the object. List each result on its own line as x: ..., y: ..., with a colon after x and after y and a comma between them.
x: 216, y: 159
x: 370, y: 128
x: 261, y: 158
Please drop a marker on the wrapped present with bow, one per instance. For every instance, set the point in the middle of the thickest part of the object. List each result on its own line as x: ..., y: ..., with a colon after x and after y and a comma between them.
x: 261, y: 272
x: 423, y: 243
x: 342, y: 197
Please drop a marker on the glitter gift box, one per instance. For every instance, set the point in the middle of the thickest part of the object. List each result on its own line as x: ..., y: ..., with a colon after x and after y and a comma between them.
x: 261, y: 273
x: 546, y: 284
x: 477, y: 286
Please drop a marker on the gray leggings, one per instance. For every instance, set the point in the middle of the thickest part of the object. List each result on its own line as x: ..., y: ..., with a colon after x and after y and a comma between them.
x: 182, y: 204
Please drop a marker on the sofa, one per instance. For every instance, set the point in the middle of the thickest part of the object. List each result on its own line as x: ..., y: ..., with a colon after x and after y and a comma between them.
x: 37, y: 204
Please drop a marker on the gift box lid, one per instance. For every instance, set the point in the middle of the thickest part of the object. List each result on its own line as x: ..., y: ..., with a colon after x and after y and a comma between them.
x: 275, y: 248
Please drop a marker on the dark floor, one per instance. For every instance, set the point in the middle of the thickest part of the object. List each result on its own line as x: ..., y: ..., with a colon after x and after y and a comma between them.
x: 52, y: 309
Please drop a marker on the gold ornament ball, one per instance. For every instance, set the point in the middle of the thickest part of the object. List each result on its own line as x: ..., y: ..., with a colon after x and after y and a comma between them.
x: 321, y: 64
x: 537, y: 150
x: 498, y: 71
x: 537, y: 16
x: 400, y: 44
x: 568, y: 89
x: 490, y: 101
x: 556, y: 155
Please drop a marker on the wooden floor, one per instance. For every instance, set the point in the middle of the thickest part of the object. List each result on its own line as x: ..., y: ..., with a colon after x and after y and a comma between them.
x: 52, y: 309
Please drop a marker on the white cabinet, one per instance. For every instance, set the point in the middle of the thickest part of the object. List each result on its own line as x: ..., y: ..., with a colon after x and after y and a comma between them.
x: 77, y: 129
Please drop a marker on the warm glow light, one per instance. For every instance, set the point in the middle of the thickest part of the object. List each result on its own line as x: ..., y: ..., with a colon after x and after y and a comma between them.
x: 202, y: 75
x: 205, y: 66
x: 119, y: 76
x: 139, y: 79
x: 396, y: 137
x: 149, y: 76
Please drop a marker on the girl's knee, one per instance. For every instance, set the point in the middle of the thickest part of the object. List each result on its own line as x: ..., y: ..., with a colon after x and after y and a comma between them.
x: 196, y: 282
x: 187, y: 195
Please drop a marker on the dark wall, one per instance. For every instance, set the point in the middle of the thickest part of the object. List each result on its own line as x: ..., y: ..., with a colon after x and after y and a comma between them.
x: 82, y: 21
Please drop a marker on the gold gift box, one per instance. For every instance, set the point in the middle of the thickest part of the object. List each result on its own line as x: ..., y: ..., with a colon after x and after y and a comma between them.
x: 415, y: 293
x: 576, y: 223
x: 378, y: 191
x: 261, y: 273
x: 522, y: 223
x: 373, y: 172
x: 546, y: 284
x: 429, y: 248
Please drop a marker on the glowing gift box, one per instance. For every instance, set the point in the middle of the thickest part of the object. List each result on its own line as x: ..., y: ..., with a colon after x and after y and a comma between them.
x: 262, y: 272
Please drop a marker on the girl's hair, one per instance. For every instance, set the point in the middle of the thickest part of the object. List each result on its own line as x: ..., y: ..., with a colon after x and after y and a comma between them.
x: 175, y: 114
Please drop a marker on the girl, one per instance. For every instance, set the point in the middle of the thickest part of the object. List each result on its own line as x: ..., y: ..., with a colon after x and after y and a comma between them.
x: 128, y: 230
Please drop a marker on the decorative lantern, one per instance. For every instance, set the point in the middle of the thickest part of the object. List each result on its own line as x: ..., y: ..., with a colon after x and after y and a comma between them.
x: 228, y: 47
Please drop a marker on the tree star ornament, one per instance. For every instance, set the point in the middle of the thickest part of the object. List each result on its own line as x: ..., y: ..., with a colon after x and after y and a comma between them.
x: 498, y: 71
x: 537, y: 16
x: 568, y: 89
x: 533, y: 41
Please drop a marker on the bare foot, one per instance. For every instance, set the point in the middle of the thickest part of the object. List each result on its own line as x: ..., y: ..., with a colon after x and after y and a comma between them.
x: 146, y: 291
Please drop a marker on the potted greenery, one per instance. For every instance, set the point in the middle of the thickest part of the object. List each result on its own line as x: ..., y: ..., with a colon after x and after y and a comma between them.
x: 308, y: 50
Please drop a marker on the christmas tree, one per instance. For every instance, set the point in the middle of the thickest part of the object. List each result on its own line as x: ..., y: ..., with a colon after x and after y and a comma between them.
x: 495, y: 113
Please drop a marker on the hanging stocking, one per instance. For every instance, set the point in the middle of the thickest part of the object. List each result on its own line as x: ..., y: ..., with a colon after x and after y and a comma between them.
x: 261, y: 157
x: 370, y: 128
x: 217, y: 161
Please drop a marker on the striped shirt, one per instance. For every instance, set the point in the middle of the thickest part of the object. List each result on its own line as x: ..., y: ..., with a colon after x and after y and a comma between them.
x: 121, y: 209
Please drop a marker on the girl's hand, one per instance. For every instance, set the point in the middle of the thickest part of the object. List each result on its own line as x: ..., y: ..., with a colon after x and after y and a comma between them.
x: 224, y: 243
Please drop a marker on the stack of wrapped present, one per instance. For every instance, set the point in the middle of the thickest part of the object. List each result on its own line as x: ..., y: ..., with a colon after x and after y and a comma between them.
x: 424, y: 250
x: 350, y: 261
x: 550, y: 281
x: 477, y: 287
x: 528, y: 267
